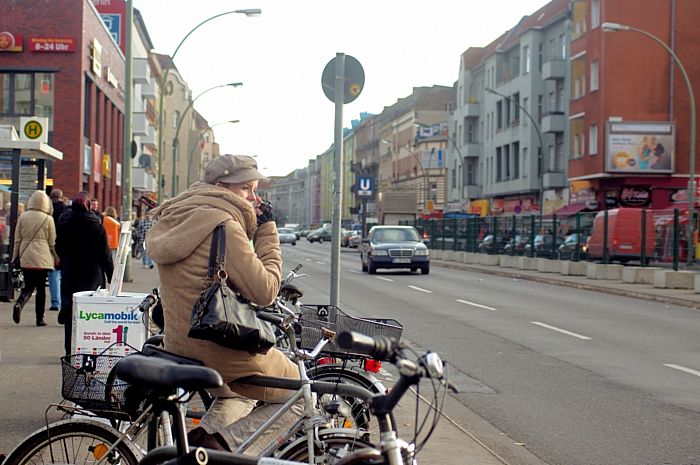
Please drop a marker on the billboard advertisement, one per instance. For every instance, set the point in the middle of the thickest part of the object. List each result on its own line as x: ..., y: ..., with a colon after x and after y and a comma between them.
x: 640, y: 147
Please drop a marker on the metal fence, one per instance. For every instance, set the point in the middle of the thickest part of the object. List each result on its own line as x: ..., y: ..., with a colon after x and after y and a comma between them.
x: 658, y: 236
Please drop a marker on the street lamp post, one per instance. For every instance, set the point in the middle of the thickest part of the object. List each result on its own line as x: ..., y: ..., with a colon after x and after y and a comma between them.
x: 164, y: 80
x: 541, y: 151
x: 612, y: 27
x: 173, y: 189
x: 199, y: 137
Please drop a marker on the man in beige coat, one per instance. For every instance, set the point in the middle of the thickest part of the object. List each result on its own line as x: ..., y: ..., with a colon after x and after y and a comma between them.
x: 180, y: 243
x: 35, y: 239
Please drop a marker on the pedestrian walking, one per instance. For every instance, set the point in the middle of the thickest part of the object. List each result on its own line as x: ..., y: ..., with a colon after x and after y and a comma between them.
x: 144, y: 225
x: 85, y: 261
x: 34, y: 250
x: 112, y: 228
x: 95, y: 209
x: 59, y: 208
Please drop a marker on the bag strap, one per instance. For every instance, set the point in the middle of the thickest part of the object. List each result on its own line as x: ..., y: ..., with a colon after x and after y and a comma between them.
x: 217, y: 253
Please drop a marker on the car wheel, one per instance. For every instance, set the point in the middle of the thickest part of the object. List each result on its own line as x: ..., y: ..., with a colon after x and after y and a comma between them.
x: 425, y: 269
x: 413, y: 270
x: 371, y: 268
x: 294, y: 243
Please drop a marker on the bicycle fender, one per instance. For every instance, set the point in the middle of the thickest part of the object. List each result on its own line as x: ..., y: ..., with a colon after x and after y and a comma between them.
x: 355, y: 373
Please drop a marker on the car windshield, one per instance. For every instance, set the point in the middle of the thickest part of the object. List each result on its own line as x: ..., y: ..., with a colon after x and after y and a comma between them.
x: 285, y: 231
x: 396, y: 235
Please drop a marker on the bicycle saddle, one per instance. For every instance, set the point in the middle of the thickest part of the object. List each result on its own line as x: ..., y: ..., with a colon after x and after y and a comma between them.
x: 160, y: 374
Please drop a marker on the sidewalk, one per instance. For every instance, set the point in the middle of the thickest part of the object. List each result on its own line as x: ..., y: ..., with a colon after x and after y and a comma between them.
x: 30, y: 380
x: 682, y: 297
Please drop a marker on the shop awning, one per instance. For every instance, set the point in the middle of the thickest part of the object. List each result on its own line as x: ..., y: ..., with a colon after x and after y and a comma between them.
x: 568, y: 210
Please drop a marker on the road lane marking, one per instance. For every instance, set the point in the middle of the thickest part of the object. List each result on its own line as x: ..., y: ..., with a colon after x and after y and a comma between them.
x: 485, y: 307
x: 321, y: 263
x: 559, y: 330
x: 307, y: 259
x: 682, y: 368
x: 420, y: 289
x: 355, y: 271
x: 384, y: 279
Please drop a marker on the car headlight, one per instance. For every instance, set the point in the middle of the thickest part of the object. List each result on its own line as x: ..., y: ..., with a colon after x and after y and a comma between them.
x: 422, y: 252
x: 380, y: 252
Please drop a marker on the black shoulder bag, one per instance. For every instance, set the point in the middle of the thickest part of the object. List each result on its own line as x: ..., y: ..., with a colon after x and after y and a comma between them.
x: 221, y: 315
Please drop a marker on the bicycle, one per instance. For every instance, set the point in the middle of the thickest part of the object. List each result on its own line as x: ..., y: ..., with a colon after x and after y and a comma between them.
x: 136, y: 247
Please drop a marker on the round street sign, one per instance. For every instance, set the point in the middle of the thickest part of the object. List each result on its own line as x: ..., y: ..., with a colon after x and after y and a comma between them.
x: 354, y: 79
x: 33, y: 130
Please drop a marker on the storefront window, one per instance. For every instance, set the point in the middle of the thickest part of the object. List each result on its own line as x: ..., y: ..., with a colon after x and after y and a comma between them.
x: 23, y: 94
x: 43, y: 97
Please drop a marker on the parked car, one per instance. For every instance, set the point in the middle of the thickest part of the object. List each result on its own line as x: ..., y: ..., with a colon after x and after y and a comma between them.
x: 394, y: 247
x: 567, y: 250
x: 516, y: 246
x: 486, y: 245
x: 287, y: 236
x: 543, y: 246
x: 319, y: 235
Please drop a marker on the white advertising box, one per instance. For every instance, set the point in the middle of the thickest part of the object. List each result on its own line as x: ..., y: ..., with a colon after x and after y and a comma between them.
x: 101, y: 321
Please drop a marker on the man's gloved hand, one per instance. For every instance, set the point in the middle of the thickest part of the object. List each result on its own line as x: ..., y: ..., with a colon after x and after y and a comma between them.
x: 265, y: 213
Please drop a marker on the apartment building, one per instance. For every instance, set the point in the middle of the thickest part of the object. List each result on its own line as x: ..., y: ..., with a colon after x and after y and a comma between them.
x: 629, y: 107
x: 508, y: 152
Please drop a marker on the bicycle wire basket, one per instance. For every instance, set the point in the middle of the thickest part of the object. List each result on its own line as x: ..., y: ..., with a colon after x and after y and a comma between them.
x: 314, y: 317
x: 87, y: 381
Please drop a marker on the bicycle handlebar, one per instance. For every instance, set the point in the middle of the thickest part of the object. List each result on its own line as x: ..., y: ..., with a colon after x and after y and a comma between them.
x: 378, y: 347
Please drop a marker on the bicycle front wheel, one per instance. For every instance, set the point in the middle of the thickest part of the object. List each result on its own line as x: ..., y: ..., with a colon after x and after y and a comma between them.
x: 83, y: 442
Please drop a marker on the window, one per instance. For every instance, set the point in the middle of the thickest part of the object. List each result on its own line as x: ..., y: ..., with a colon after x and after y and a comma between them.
x: 539, y: 108
x: 526, y: 103
x: 593, y: 139
x: 526, y: 59
x: 498, y: 164
x: 516, y: 107
x: 577, y: 138
x: 506, y: 161
x: 595, y: 13
x: 506, y: 117
x: 26, y: 94
x: 562, y: 47
x: 499, y: 114
x: 454, y: 175
x: 540, y: 56
x: 578, y: 77
x: 594, y: 75
x: 470, y: 173
x: 516, y: 160
x: 524, y: 162
x: 176, y: 119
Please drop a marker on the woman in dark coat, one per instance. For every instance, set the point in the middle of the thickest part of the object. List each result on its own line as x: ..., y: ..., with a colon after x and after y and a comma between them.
x: 81, y: 244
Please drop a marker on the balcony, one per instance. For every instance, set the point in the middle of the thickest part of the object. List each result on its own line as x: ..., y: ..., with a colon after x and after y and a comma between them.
x: 149, y: 138
x: 554, y: 180
x: 471, y: 150
x: 139, y: 124
x: 554, y: 69
x: 471, y: 191
x: 148, y: 90
x: 140, y: 71
x: 554, y: 122
x: 142, y: 180
x: 472, y: 110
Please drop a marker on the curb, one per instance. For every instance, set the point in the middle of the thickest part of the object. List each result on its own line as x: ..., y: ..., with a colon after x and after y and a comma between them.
x: 560, y: 282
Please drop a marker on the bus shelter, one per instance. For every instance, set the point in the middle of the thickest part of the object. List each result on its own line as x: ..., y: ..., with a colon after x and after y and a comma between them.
x: 17, y: 151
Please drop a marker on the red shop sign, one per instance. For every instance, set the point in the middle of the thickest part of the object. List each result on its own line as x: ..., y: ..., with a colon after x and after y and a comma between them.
x: 634, y: 196
x: 52, y: 44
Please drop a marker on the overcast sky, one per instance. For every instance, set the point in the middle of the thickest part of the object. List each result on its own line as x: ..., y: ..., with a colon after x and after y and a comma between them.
x: 285, y: 119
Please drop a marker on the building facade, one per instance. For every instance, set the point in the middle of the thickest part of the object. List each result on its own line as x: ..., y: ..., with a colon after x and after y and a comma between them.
x: 629, y: 108
x: 64, y: 65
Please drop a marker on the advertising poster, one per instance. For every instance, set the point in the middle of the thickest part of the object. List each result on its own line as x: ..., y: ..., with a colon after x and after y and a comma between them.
x: 640, y: 147
x: 112, y: 323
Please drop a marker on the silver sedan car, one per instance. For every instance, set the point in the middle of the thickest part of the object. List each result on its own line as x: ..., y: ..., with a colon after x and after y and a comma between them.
x: 287, y: 236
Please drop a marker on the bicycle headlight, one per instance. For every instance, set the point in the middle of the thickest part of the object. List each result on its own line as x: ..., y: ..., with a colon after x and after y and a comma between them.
x: 433, y: 364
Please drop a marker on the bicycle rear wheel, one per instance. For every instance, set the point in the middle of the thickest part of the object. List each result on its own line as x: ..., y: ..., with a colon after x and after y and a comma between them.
x: 336, y: 443
x: 83, y: 442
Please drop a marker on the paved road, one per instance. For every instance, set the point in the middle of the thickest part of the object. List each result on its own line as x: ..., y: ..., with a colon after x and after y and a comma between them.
x: 574, y: 376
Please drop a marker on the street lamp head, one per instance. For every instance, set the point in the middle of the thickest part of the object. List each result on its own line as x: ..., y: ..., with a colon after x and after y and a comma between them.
x: 612, y: 27
x: 250, y: 11
x: 491, y: 91
x: 235, y: 84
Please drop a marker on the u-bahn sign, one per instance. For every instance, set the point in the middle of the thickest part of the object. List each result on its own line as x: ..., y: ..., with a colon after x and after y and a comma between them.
x: 364, y: 186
